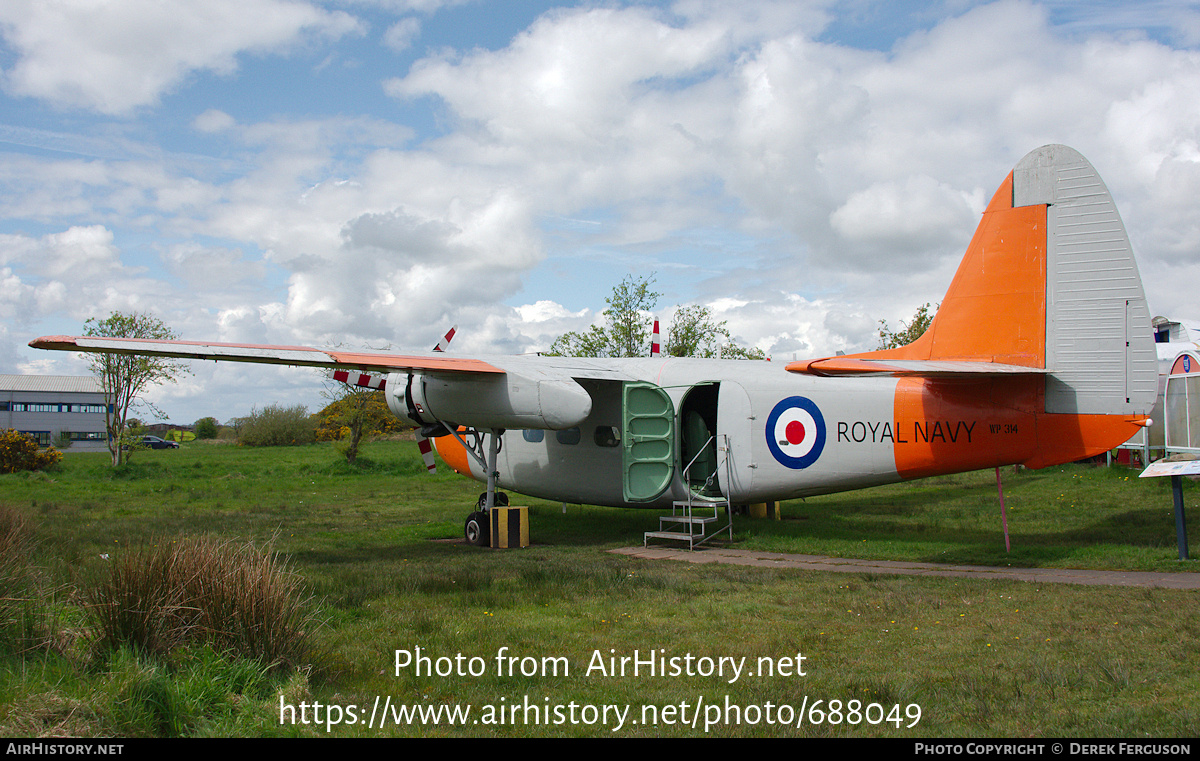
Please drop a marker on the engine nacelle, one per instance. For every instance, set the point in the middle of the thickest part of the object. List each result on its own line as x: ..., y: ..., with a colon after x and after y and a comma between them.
x: 487, y: 400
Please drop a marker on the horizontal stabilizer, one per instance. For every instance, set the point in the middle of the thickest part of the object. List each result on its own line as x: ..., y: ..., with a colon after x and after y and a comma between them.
x: 838, y: 366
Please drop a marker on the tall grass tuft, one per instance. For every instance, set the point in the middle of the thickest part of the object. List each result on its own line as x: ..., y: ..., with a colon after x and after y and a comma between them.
x: 24, y: 621
x: 203, y: 692
x: 229, y: 596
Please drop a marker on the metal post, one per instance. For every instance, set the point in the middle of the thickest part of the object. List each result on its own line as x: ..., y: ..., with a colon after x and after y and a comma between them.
x: 492, y: 473
x: 1180, y: 522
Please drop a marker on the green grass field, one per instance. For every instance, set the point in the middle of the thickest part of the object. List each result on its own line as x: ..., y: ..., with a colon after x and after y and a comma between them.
x: 378, y: 549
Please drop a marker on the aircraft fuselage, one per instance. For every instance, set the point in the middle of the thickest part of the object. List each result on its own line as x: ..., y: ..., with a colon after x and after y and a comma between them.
x: 780, y: 435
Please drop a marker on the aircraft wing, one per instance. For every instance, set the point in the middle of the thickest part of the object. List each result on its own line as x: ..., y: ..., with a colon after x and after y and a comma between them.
x: 843, y: 366
x: 493, y: 393
x: 302, y: 356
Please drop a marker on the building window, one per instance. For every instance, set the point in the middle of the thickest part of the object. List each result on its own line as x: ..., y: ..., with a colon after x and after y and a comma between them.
x: 41, y: 437
x: 93, y: 409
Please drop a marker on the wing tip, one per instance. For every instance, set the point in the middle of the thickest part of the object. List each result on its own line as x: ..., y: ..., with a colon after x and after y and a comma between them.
x: 54, y: 342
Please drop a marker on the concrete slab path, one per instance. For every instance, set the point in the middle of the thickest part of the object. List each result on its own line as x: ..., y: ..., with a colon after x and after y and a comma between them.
x: 851, y: 565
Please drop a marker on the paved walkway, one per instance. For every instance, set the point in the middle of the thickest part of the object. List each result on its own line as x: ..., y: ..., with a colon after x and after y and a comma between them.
x: 851, y: 565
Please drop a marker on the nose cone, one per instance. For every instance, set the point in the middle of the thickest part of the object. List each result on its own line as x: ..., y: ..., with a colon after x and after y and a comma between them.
x: 563, y: 403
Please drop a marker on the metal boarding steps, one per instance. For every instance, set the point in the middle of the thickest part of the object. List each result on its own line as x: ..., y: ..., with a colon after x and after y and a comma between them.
x: 683, y: 525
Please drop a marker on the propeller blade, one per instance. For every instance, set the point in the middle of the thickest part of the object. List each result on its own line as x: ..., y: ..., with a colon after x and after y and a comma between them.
x: 446, y: 340
x: 426, y: 447
x: 363, y: 380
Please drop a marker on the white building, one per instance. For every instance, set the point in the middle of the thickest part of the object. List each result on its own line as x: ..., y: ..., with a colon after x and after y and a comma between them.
x: 45, y: 405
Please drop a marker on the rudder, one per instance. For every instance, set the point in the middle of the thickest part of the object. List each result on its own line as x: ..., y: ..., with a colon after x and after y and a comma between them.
x: 1099, y: 341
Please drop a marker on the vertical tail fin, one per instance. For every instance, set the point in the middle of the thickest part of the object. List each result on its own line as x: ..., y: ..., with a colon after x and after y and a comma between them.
x: 1049, y: 282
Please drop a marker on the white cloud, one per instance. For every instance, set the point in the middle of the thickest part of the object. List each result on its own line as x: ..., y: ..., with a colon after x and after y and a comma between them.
x: 113, y: 57
x: 213, y: 120
x: 78, y: 271
x: 400, y: 35
x: 889, y: 218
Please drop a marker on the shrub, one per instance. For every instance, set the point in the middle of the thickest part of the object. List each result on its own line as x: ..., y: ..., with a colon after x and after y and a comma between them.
x: 276, y: 425
x: 203, y: 592
x: 20, y: 452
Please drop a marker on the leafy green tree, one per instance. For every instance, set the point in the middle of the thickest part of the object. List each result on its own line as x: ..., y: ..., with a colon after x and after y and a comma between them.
x: 629, y: 323
x: 694, y: 333
x: 627, y: 328
x: 912, y: 330
x: 124, y: 377
x: 206, y: 428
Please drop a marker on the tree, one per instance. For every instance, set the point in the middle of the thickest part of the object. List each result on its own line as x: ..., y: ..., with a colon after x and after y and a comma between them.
x: 914, y: 329
x: 627, y: 333
x: 628, y: 319
x: 124, y: 377
x: 354, y: 413
x: 206, y: 428
x: 694, y: 334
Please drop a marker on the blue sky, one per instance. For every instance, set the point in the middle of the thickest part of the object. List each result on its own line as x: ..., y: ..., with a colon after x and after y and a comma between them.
x: 369, y: 172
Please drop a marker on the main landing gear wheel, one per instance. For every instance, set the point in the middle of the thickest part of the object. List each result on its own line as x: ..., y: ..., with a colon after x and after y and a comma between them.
x: 501, y: 500
x: 478, y: 529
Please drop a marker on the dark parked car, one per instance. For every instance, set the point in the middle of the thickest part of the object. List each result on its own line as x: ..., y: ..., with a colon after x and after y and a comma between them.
x: 156, y: 443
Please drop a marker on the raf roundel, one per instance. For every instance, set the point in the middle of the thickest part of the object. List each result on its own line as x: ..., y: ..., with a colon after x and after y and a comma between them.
x: 796, y: 432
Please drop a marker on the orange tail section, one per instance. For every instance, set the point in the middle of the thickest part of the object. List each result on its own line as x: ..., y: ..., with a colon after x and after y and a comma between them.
x: 1048, y: 283
x: 995, y: 309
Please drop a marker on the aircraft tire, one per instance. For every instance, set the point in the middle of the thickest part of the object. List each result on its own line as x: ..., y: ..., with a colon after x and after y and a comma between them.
x: 477, y: 530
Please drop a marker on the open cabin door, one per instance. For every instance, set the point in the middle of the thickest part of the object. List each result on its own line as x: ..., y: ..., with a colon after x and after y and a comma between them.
x: 648, y: 443
x: 715, y: 434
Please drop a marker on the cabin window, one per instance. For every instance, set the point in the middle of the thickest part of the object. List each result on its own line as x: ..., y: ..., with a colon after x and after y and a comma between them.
x: 533, y: 436
x: 607, y: 436
x: 569, y: 436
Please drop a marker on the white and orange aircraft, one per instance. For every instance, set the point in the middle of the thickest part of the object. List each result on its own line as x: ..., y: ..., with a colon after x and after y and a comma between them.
x: 1041, y: 353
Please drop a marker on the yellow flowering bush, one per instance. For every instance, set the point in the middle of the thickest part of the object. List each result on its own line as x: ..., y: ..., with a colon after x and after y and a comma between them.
x: 20, y: 452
